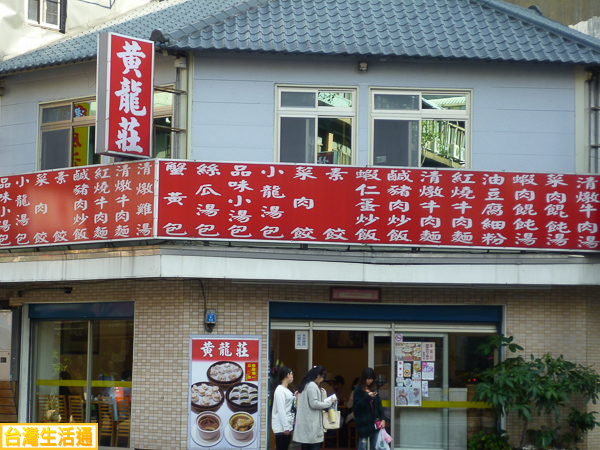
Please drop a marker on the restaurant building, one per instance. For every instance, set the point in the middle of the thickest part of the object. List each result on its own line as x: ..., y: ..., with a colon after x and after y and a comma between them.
x: 351, y: 184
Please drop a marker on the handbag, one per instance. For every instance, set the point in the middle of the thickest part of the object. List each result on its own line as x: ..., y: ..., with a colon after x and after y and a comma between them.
x: 331, y: 416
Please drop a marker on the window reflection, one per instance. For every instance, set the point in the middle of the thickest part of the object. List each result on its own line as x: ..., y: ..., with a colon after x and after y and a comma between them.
x: 63, y: 352
x: 443, y: 143
x: 334, y: 141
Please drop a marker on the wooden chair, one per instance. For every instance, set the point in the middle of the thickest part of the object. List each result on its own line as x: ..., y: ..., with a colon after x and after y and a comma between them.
x: 62, y: 407
x: 123, y: 421
x: 43, y: 405
x: 105, y: 422
x: 76, y: 413
x: 352, y: 434
x: 332, y: 435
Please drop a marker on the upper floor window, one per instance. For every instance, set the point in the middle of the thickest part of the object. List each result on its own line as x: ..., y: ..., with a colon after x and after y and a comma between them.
x: 316, y: 125
x: 44, y: 12
x: 68, y: 132
x: 419, y: 128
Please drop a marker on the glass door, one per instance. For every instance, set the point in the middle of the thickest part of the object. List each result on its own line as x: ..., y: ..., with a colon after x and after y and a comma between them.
x: 380, y: 358
x: 421, y: 388
x: 60, y: 369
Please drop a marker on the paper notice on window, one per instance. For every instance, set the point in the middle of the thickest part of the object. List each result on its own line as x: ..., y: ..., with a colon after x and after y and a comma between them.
x: 428, y: 351
x: 407, y: 370
x: 425, y: 388
x: 427, y: 370
x: 409, y: 396
x: 416, y: 370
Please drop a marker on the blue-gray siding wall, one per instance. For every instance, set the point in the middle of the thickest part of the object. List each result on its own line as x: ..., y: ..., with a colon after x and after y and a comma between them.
x: 523, y: 115
x: 23, y: 93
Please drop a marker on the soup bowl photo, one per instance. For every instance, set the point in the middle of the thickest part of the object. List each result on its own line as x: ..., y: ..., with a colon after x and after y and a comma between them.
x: 242, y: 425
x: 209, y: 425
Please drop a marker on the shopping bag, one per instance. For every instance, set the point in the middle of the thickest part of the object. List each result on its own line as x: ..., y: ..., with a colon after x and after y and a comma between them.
x: 380, y: 443
x: 386, y: 437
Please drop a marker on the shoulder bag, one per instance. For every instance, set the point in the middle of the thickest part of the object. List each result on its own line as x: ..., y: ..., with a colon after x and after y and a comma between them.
x: 331, y: 416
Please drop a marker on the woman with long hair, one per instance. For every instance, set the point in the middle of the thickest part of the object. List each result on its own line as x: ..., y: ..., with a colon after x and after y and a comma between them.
x: 282, y: 421
x: 309, y: 419
x: 367, y: 409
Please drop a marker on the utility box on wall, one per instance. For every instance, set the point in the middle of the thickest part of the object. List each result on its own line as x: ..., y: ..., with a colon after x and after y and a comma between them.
x: 5, y: 344
x: 4, y: 365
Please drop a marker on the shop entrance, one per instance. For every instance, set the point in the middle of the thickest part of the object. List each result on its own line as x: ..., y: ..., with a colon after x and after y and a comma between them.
x: 426, y: 373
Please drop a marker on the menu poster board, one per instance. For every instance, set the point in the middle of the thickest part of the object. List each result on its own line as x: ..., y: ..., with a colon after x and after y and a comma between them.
x: 410, y: 351
x: 409, y: 395
x: 224, y: 392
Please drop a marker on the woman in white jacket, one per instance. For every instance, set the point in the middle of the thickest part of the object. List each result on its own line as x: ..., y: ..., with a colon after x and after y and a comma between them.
x: 309, y: 418
x: 282, y: 420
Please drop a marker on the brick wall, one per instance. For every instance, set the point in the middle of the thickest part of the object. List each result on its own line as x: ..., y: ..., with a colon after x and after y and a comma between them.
x: 561, y: 320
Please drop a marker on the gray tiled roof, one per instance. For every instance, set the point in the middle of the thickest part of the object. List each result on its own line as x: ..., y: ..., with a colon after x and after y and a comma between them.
x: 489, y: 30
x: 464, y: 29
x: 139, y: 23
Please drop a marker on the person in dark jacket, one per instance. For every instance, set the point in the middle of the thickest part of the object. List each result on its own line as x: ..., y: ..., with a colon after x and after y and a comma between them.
x: 367, y: 409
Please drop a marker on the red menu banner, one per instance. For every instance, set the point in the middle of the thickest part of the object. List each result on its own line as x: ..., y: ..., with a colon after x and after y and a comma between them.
x: 378, y: 206
x: 300, y: 203
x: 78, y: 205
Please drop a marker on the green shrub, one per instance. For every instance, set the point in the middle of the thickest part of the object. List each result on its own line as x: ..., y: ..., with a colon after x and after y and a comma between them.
x: 541, y: 386
x: 489, y: 440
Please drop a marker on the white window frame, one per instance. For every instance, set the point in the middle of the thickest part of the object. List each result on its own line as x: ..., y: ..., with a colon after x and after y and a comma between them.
x: 41, y: 6
x: 89, y: 121
x: 421, y: 114
x: 316, y: 112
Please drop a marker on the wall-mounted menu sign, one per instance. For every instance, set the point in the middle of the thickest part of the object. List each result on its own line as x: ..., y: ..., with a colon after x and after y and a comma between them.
x: 224, y: 392
x: 415, y: 367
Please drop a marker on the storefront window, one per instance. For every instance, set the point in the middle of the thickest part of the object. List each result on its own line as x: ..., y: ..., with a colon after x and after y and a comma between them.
x: 82, y: 374
x: 426, y: 374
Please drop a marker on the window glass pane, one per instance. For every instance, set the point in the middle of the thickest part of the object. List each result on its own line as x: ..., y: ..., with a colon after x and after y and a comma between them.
x: 334, y: 141
x: 163, y: 99
x: 162, y: 137
x: 444, y: 102
x: 397, y: 102
x: 52, y: 12
x: 60, y: 371
x: 396, y: 143
x: 443, y: 143
x: 283, y: 352
x: 297, y: 140
x: 84, y: 146
x: 298, y: 99
x: 84, y: 109
x: 335, y: 99
x: 56, y: 150
x: 56, y: 114
x: 112, y: 362
x: 33, y: 10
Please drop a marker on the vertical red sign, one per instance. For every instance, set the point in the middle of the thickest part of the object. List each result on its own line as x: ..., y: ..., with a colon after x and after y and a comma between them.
x: 125, y: 93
